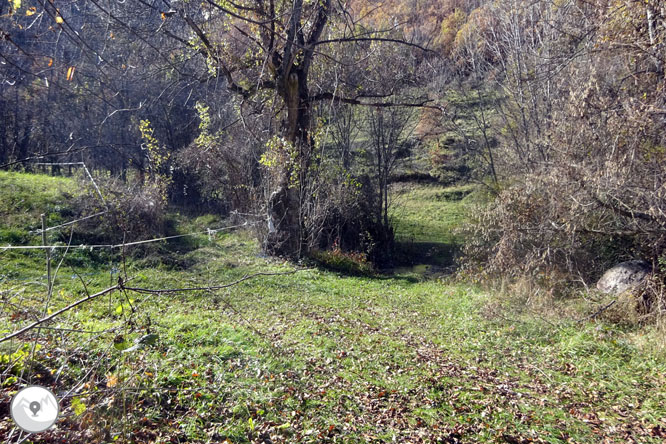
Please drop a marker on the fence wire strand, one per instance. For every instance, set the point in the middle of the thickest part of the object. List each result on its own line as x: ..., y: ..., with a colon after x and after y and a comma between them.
x: 122, y: 245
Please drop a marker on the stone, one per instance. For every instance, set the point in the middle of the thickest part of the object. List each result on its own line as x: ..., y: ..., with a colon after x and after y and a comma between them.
x: 624, y: 276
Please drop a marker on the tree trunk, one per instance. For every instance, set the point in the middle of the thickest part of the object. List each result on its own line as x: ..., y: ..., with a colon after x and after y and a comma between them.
x: 287, y: 231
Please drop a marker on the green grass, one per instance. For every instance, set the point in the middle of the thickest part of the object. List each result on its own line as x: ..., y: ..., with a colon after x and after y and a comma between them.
x: 428, y: 213
x: 314, y: 357
x: 425, y: 219
x: 25, y: 197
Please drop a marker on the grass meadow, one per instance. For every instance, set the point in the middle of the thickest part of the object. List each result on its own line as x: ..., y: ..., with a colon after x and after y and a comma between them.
x: 302, y: 355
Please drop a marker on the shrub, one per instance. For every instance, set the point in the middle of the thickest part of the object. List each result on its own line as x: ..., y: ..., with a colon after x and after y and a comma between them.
x: 133, y: 212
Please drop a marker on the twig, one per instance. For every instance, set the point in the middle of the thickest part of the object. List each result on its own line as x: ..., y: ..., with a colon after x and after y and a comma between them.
x: 121, y: 286
x: 85, y: 287
x: 598, y: 312
x: 48, y: 258
x: 122, y: 245
x: 85, y: 168
x: 57, y: 270
x: 247, y: 322
x: 66, y: 224
x: 74, y: 330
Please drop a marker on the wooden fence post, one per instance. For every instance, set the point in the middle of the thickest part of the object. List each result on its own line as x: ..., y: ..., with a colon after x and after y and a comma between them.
x: 48, y: 256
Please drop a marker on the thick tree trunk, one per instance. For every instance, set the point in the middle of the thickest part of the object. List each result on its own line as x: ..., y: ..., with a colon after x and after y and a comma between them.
x: 287, y: 231
x: 290, y: 66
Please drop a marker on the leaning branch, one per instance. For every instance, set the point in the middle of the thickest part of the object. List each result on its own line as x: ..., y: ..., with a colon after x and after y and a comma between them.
x: 121, y: 287
x: 67, y: 152
x: 372, y: 39
x: 598, y: 312
x: 358, y: 101
x: 59, y: 312
x: 208, y: 288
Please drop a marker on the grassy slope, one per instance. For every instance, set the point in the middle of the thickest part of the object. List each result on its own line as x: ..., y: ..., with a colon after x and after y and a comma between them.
x: 319, y: 357
x: 428, y: 213
x: 425, y: 218
x: 24, y: 198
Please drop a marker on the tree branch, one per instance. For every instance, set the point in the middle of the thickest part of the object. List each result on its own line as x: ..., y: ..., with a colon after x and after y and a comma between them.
x: 59, y: 312
x: 121, y: 287
x: 357, y: 101
x: 208, y: 288
x: 372, y: 39
x: 209, y: 52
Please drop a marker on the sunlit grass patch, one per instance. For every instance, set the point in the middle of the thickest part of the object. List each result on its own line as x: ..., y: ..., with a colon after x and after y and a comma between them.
x: 428, y: 213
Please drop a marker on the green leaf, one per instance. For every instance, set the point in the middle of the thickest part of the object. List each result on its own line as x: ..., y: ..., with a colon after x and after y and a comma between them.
x: 78, y: 406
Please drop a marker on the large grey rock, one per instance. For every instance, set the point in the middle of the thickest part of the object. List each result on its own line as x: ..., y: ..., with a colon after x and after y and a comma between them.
x: 624, y: 276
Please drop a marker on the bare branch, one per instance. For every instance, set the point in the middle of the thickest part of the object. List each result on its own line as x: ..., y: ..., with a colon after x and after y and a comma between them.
x: 59, y: 312
x: 372, y: 39
x: 208, y: 288
x: 357, y: 101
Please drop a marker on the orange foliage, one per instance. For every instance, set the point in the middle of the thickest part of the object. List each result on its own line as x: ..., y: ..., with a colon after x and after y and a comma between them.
x: 433, y: 22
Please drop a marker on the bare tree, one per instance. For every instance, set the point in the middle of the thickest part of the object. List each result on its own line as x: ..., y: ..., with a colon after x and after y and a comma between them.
x: 390, y: 132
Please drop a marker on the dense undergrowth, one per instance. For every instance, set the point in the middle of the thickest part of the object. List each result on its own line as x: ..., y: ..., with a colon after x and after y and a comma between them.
x: 311, y: 356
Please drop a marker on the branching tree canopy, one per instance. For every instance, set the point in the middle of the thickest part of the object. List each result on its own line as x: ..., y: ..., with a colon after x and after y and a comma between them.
x: 278, y: 58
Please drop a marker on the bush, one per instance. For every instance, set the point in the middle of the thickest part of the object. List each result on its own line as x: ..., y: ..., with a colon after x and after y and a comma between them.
x: 133, y: 212
x: 546, y: 228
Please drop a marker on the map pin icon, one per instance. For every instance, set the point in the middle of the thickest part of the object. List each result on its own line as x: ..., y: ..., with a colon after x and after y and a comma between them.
x: 34, y: 407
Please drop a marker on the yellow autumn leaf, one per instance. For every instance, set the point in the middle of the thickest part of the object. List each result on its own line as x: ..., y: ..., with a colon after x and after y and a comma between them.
x: 70, y: 73
x: 16, y: 4
x: 111, y: 380
x: 30, y: 11
x: 50, y: 63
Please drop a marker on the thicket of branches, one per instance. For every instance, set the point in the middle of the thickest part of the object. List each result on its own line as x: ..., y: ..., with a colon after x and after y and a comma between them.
x: 577, y: 110
x: 217, y: 106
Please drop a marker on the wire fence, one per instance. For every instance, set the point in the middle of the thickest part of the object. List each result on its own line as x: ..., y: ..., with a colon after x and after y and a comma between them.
x: 85, y: 168
x: 67, y: 224
x: 16, y: 309
x: 208, y: 232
